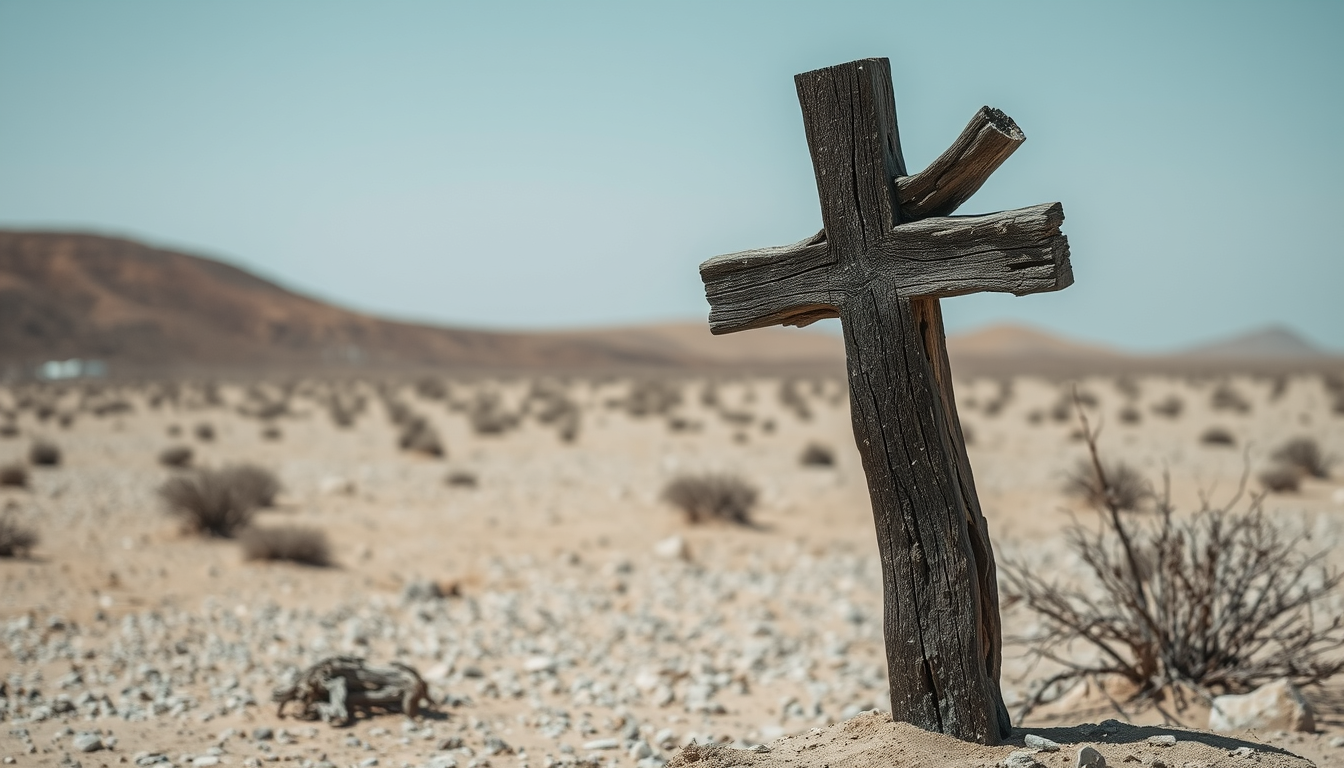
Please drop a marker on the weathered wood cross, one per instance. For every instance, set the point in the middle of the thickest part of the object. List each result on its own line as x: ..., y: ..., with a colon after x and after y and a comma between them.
x: 880, y: 264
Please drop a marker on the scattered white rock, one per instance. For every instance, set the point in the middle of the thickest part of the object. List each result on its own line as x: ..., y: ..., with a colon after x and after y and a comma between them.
x: 1088, y: 757
x: 1277, y: 705
x: 597, y: 744
x: 540, y: 664
x: 1163, y: 740
x: 87, y: 742
x: 335, y: 485
x: 672, y: 548
x: 1041, y: 743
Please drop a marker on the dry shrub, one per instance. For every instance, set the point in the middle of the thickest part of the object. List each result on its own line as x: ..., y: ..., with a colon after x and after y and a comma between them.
x: 817, y: 455
x: 1114, y: 484
x: 9, y: 429
x: 1217, y: 436
x: 307, y: 546
x: 792, y: 398
x: 1217, y: 601
x: 173, y: 430
x: 205, y: 432
x: 1226, y: 398
x: 1281, y: 479
x: 16, y: 539
x: 257, y: 486
x: 177, y: 456
x: 462, y: 479
x: 1130, y: 415
x: 704, y: 498
x: 649, y: 397
x: 431, y: 388
x: 1304, y: 454
x: 219, y: 502
x: 1169, y: 407
x: 418, y: 435
x: 487, y: 415
x: 43, y: 453
x: 272, y: 433
x: 14, y: 475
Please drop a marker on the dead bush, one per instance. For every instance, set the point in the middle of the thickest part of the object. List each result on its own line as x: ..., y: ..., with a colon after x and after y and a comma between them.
x: 1305, y: 455
x: 272, y: 433
x: 1114, y: 484
x: 1217, y: 601
x: 1130, y: 415
x: 1217, y: 436
x: 44, y: 453
x: 705, y: 498
x: 9, y: 429
x: 418, y: 435
x: 1169, y: 407
x: 176, y: 456
x: 14, y: 475
x: 16, y: 539
x: 1226, y: 398
x: 294, y: 544
x: 219, y: 502
x: 462, y: 479
x: 1280, y: 478
x: 257, y: 485
x: 205, y: 432
x: 817, y: 455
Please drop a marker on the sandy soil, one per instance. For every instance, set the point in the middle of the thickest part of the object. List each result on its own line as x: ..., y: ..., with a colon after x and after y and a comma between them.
x: 569, y: 638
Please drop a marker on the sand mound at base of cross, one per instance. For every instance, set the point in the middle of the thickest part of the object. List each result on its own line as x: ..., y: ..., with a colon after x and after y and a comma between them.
x: 872, y: 740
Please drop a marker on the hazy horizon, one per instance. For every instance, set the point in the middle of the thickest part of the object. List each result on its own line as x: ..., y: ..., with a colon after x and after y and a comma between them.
x: 534, y: 166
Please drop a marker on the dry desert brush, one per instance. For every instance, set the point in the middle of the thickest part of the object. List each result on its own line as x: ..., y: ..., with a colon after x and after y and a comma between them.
x: 16, y: 539
x: 307, y: 546
x: 705, y: 498
x: 1305, y: 455
x: 210, y: 502
x: 1220, y: 600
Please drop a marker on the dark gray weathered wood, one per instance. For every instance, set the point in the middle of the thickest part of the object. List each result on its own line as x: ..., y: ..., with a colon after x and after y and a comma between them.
x: 887, y: 252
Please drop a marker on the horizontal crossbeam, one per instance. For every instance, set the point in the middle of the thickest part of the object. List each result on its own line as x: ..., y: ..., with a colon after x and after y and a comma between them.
x: 1020, y: 251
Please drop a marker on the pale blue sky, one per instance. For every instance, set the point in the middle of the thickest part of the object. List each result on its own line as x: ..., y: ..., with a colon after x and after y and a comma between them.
x: 564, y: 164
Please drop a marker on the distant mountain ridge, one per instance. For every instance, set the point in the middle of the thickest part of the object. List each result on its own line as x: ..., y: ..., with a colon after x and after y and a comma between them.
x: 66, y: 295
x: 1273, y: 341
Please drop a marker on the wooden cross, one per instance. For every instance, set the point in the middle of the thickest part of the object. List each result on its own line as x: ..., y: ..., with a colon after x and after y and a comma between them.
x: 888, y: 251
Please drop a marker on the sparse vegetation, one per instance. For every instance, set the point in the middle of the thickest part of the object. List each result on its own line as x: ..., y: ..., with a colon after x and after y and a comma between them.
x: 462, y: 478
x: 14, y: 475
x: 16, y: 539
x: 272, y: 433
x: 1115, y: 484
x: 9, y: 429
x: 711, y: 497
x: 1130, y: 415
x: 1304, y: 454
x: 817, y: 455
x: 256, y: 485
x: 1280, y: 478
x: 1219, y: 601
x: 1217, y: 436
x: 1169, y: 407
x: 205, y: 432
x: 211, y: 502
x: 176, y: 456
x: 418, y: 435
x: 44, y: 453
x: 1226, y: 398
x: 307, y: 546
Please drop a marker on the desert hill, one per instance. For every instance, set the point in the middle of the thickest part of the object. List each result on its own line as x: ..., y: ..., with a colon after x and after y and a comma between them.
x: 140, y: 308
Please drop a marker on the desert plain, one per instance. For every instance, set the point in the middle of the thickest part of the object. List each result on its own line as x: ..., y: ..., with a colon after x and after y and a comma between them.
x: 562, y: 611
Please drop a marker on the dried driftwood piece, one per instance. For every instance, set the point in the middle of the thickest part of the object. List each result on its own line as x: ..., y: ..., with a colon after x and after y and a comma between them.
x: 334, y: 689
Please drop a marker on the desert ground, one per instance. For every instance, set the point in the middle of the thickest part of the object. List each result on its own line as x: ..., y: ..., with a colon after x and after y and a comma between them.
x: 560, y: 609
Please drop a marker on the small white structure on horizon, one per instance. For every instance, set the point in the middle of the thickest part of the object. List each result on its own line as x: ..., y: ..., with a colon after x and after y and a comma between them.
x: 74, y: 368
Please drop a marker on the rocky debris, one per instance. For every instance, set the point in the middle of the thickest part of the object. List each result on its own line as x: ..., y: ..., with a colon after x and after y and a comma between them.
x: 1040, y: 743
x: 1089, y: 757
x: 87, y: 741
x: 1021, y: 758
x: 334, y: 689
x: 1162, y: 740
x: 1274, y: 706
